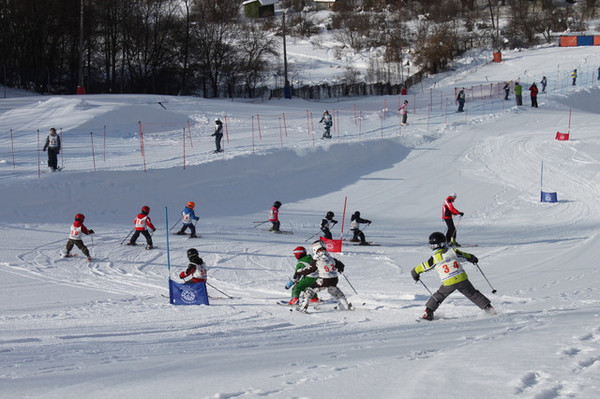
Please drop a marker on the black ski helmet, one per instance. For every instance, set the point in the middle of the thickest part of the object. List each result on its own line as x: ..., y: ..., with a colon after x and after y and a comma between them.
x: 277, y: 204
x: 329, y: 215
x: 437, y: 240
x: 192, y: 253
x: 357, y: 214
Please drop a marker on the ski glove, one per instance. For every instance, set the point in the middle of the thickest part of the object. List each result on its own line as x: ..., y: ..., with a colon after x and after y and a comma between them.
x: 473, y: 259
x: 92, y: 231
x: 461, y: 213
x: 414, y: 275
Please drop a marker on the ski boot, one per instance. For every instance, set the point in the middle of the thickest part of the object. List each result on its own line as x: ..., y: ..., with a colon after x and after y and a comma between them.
x: 428, y: 314
x: 293, y: 301
x: 489, y: 309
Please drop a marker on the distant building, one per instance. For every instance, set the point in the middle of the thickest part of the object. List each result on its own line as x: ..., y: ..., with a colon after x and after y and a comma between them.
x: 324, y: 4
x: 259, y: 8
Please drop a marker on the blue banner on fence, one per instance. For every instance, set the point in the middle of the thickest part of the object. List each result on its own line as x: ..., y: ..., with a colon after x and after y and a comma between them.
x: 187, y: 294
x: 549, y: 197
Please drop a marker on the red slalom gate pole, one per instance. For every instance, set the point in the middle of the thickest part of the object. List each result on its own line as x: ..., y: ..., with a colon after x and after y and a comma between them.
x: 183, y: 148
x: 343, y: 217
x: 226, y: 129
x: 141, y: 133
x: 259, y: 130
x: 93, y: 153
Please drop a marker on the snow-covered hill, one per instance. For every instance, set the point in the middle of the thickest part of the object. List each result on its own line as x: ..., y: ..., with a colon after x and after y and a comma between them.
x: 104, y: 329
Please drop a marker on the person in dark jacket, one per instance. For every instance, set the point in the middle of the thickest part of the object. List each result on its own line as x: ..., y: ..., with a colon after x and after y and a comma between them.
x: 358, y: 235
x: 326, y: 223
x: 218, y: 134
x: 53, y: 147
x: 196, y: 270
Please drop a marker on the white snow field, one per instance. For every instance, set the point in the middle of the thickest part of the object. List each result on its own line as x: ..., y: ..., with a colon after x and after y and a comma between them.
x: 73, y: 329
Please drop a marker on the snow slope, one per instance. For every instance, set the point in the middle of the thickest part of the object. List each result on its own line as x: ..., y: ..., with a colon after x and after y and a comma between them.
x: 69, y: 328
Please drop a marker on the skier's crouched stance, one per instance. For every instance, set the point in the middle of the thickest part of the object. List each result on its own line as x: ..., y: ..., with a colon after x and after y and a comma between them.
x: 446, y: 261
x: 327, y: 267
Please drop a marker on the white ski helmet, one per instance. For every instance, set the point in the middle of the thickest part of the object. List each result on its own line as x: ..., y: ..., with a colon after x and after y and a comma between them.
x: 453, y: 195
x: 317, y: 247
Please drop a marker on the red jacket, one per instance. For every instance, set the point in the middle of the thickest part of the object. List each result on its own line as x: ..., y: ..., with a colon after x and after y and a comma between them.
x: 141, y: 221
x: 533, y: 91
x: 448, y: 208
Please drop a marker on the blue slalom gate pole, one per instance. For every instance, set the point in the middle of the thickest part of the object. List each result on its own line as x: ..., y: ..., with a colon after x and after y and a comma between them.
x: 168, y: 252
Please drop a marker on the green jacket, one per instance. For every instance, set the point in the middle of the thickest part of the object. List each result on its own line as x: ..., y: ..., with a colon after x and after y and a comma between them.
x: 518, y: 89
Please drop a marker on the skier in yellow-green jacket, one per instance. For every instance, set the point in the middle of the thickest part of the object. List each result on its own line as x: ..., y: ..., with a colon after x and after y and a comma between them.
x: 447, y: 263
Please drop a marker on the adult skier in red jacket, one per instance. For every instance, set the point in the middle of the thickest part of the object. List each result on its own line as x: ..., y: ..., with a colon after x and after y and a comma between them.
x: 448, y: 211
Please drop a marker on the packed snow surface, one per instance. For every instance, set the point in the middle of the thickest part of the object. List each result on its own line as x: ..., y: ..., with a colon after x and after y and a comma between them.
x: 104, y: 329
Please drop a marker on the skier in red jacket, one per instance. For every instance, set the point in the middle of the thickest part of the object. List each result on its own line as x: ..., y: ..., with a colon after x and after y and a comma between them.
x: 448, y: 211
x: 141, y: 221
x: 77, y: 229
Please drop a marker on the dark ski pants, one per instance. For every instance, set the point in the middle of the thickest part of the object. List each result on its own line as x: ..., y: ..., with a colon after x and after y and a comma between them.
x: 465, y: 288
x: 145, y: 233
x: 534, y: 102
x: 326, y: 233
x: 218, y: 142
x: 404, y: 118
x: 451, y: 232
x: 53, y: 158
x: 275, y: 226
x: 358, y: 235
x: 185, y: 227
x: 79, y: 244
x: 302, y: 285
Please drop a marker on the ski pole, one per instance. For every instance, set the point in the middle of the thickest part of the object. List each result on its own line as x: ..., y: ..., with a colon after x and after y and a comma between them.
x: 428, y: 290
x: 127, y: 236
x: 353, y: 289
x: 318, y: 232
x: 259, y: 223
x: 488, y: 281
x: 175, y: 224
x: 93, y: 252
x: 212, y: 286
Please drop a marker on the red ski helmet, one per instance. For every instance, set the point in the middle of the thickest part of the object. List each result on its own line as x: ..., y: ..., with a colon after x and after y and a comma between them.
x: 145, y: 209
x: 299, y: 252
x: 80, y: 217
x: 191, y: 204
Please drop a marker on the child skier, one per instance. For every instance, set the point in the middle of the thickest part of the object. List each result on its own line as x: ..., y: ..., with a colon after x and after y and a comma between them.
x: 448, y: 210
x: 274, y: 216
x: 141, y: 222
x: 327, y: 267
x: 75, y: 237
x: 358, y: 235
x: 187, y: 219
x: 446, y: 261
x: 196, y: 271
x: 327, y: 223
x: 53, y: 146
x: 304, y: 282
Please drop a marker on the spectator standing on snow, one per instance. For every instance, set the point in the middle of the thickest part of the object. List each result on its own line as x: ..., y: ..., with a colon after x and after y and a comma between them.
x: 404, y: 112
x: 598, y: 73
x: 77, y: 229
x: 142, y: 221
x: 533, y: 92
x: 218, y: 134
x: 326, y: 223
x: 506, y: 90
x: 274, y: 216
x: 188, y: 217
x: 53, y: 147
x: 303, y: 282
x: 544, y: 82
x: 461, y: 100
x: 446, y: 261
x: 196, y: 270
x: 358, y: 235
x: 518, y: 93
x: 448, y: 211
x: 327, y: 120
x: 328, y: 268
x: 574, y: 76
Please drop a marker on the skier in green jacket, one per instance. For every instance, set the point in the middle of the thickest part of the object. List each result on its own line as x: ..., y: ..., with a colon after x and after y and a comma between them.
x: 304, y: 282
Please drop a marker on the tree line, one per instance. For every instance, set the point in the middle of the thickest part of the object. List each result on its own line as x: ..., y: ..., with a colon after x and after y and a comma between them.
x: 208, y: 47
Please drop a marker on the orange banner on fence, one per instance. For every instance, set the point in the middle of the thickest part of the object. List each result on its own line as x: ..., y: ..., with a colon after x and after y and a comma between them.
x: 568, y: 41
